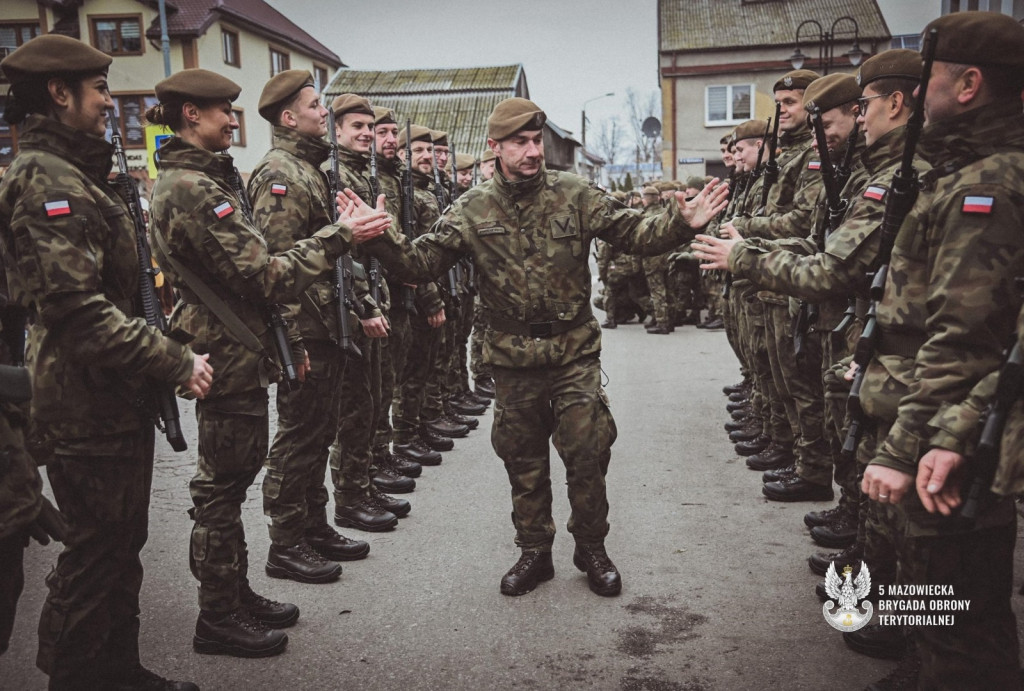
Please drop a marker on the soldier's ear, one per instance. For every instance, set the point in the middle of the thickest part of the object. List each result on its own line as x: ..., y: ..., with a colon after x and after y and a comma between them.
x: 60, y: 93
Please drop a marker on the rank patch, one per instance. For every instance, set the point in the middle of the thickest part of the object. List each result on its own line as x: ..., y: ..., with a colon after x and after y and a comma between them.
x: 57, y: 208
x: 224, y: 209
x: 814, y: 165
x: 875, y: 192
x: 279, y: 189
x: 978, y: 205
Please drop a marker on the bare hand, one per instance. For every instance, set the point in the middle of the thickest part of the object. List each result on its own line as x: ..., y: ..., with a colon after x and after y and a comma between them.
x: 886, y: 485
x: 202, y: 376
x: 365, y: 222
x: 852, y: 372
x: 708, y: 203
x: 375, y: 327
x: 728, y: 230
x: 713, y: 252
x: 436, y: 319
x: 938, y: 481
x: 303, y: 368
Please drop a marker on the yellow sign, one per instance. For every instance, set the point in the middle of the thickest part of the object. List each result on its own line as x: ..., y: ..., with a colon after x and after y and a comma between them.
x: 156, y: 135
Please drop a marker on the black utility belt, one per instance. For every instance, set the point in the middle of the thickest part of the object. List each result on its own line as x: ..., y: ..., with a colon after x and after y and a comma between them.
x: 903, y: 345
x: 538, y: 329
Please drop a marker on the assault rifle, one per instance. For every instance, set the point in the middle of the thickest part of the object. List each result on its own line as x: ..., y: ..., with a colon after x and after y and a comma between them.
x: 408, y: 294
x: 278, y: 327
x: 758, y: 169
x: 901, y: 198
x: 771, y: 168
x: 453, y: 283
x: 344, y: 275
x: 374, y: 272
x: 168, y: 421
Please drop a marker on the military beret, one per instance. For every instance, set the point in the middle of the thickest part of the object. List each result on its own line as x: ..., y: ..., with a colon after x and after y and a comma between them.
x: 751, y: 129
x: 487, y: 155
x: 282, y: 87
x: 665, y: 186
x: 350, y: 103
x: 418, y: 133
x: 797, y: 79
x: 512, y: 115
x: 53, y: 54
x: 439, y: 137
x: 382, y: 116
x: 464, y: 161
x: 979, y: 38
x: 619, y: 195
x: 890, y: 64
x: 695, y: 183
x: 831, y: 91
x: 196, y: 83
x: 651, y: 191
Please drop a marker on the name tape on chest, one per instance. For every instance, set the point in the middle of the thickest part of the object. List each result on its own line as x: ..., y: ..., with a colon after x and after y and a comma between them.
x: 875, y: 192
x: 223, y: 210
x: 814, y: 165
x: 978, y: 205
x: 58, y: 208
x: 279, y: 189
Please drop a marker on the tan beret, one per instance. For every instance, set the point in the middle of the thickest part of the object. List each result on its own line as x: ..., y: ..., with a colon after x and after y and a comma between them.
x: 512, y: 115
x: 384, y: 116
x: 650, y: 191
x: 487, y: 155
x: 196, y: 83
x: 282, y: 87
x: 797, y: 79
x: 464, y: 161
x: 418, y: 133
x: 831, y: 91
x: 439, y: 137
x: 890, y: 64
x: 695, y: 183
x: 751, y: 129
x: 53, y: 54
x: 350, y: 103
x: 979, y: 38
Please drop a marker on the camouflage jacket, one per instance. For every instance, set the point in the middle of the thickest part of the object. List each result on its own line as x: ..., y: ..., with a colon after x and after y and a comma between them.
x: 69, y: 247
x: 20, y: 483
x: 290, y: 202
x: 530, y: 242
x: 196, y: 212
x: 840, y: 271
x: 950, y: 304
x: 354, y: 173
x: 425, y: 214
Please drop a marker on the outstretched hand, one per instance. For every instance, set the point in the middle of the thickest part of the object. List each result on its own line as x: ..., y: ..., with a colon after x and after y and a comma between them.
x: 365, y: 221
x: 713, y: 252
x: 708, y: 203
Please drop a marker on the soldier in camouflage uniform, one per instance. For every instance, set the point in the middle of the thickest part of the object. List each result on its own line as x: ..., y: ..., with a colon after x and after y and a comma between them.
x: 483, y: 382
x: 228, y: 280
x: 358, y: 502
x: 529, y: 232
x: 949, y: 308
x: 655, y: 268
x: 68, y: 244
x: 290, y: 202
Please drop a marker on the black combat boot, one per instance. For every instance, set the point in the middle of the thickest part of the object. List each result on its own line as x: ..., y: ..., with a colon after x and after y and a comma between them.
x: 464, y: 406
x: 331, y: 545
x: 733, y: 388
x: 399, y: 507
x: 531, y: 569
x: 446, y: 428
x: 419, y: 452
x: 484, y: 386
x: 237, y: 634
x: 797, y: 489
x: 406, y: 466
x: 364, y: 514
x: 142, y: 679
x: 851, y: 556
x: 435, y: 441
x: 301, y: 563
x: 816, y: 518
x: 841, y: 532
x: 752, y: 446
x: 774, y: 457
x: 276, y: 615
x: 385, y: 476
x: 602, y: 576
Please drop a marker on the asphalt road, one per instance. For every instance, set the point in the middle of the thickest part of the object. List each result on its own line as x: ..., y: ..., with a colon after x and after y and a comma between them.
x: 717, y: 594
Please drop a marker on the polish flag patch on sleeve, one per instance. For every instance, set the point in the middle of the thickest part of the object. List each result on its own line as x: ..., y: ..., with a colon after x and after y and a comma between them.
x: 814, y: 165
x: 223, y: 210
x: 978, y: 205
x: 875, y: 192
x: 57, y: 208
x: 279, y: 189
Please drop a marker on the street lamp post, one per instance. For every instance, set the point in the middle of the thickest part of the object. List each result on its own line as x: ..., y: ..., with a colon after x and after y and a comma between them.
x: 583, y: 119
x: 827, y: 44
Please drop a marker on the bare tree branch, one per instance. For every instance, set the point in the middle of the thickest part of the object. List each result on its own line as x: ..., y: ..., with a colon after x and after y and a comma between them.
x: 609, y: 142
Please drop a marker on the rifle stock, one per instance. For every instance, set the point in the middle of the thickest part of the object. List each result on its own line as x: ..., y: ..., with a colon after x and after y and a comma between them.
x: 343, y: 275
x: 408, y: 294
x: 771, y: 168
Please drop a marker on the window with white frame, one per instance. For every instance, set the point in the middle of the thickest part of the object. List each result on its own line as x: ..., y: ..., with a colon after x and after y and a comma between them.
x: 728, y: 104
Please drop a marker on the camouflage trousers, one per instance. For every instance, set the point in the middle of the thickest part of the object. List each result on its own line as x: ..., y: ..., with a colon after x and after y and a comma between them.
x: 772, y: 410
x: 393, y: 352
x: 656, y: 273
x: 877, y: 524
x: 410, y: 390
x: 458, y: 370
x: 835, y: 347
x: 625, y: 294
x: 350, y: 455
x: 437, y: 374
x: 711, y: 286
x: 477, y: 367
x: 567, y: 406
x: 89, y: 626
x: 233, y: 439
x: 294, y: 496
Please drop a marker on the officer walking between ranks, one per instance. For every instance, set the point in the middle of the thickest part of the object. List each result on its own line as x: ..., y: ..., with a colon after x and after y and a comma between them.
x: 69, y: 248
x: 228, y: 279
x: 949, y: 308
x: 528, y: 233
x: 290, y: 202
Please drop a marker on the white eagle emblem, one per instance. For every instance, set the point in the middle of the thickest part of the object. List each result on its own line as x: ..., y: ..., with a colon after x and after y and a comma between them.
x: 847, y: 591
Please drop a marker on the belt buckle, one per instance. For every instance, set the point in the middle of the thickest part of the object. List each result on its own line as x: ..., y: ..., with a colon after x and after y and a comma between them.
x: 540, y: 330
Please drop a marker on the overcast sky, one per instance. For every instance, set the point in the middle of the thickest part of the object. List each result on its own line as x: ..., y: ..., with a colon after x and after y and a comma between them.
x: 571, y: 50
